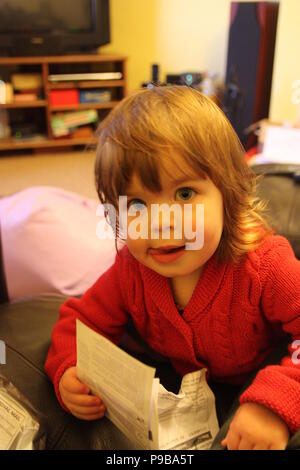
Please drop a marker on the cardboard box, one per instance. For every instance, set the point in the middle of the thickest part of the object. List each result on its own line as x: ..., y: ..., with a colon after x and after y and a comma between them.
x: 64, y: 97
x: 94, y: 96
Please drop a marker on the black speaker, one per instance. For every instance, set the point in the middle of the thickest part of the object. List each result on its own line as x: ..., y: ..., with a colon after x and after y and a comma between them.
x: 155, y: 73
x: 249, y: 68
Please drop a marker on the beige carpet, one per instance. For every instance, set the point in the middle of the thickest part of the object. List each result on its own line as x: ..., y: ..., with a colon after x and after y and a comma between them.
x: 73, y: 171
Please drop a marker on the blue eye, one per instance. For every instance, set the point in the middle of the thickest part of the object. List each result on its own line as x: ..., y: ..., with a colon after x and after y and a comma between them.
x: 184, y: 194
x: 136, y: 205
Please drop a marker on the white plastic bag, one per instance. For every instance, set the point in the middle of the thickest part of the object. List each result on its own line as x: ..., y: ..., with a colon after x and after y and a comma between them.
x: 20, y: 424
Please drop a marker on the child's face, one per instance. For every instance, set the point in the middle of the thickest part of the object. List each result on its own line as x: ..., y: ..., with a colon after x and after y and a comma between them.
x: 156, y: 251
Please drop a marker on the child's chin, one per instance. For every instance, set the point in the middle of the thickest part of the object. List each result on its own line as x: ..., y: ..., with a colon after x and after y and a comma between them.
x: 169, y: 270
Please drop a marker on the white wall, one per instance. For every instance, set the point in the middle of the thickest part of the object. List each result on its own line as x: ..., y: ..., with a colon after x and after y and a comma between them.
x: 192, y: 35
x: 287, y: 62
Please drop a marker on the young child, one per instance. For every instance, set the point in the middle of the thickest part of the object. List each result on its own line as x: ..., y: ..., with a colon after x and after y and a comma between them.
x: 223, y: 302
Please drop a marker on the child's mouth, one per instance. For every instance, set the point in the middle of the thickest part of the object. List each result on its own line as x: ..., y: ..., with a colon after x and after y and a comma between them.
x: 167, y: 254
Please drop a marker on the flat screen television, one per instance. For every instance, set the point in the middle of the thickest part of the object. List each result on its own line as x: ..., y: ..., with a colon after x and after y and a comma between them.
x: 53, y: 27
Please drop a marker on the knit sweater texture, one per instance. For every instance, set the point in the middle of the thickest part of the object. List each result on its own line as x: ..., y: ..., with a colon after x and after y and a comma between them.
x: 236, y: 316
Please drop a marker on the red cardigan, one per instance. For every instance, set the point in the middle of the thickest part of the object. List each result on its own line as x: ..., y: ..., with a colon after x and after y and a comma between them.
x: 235, y: 317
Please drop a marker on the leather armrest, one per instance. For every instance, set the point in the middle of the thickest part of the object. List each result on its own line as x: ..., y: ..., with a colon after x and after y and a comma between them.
x: 26, y: 330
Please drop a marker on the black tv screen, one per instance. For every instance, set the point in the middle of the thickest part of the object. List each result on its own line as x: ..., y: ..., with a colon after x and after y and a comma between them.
x: 31, y: 27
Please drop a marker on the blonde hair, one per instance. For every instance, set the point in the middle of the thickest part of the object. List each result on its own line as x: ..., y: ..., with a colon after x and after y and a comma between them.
x: 152, y: 123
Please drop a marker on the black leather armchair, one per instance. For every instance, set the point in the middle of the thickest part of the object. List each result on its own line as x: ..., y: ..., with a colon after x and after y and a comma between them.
x: 26, y: 328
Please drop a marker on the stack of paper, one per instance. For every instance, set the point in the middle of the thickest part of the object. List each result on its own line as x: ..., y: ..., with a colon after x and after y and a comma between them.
x: 149, y: 415
x: 281, y: 145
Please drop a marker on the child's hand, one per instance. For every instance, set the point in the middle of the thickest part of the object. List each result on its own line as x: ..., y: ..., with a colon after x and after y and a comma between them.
x: 76, y: 398
x: 256, y: 427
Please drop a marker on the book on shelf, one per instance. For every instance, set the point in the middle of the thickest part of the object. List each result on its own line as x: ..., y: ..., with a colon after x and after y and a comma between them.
x: 2, y: 92
x: 83, y: 132
x: 27, y: 81
x: 5, y: 130
x: 94, y: 96
x: 25, y: 97
x: 66, y: 77
x: 64, y: 97
x: 6, y: 92
x: 64, y: 123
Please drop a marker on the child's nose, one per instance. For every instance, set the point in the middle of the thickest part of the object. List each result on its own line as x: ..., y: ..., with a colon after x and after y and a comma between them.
x: 166, y: 223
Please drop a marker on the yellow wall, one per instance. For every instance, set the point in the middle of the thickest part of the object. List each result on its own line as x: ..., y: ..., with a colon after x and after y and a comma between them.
x: 192, y: 35
x: 179, y: 35
x: 133, y: 34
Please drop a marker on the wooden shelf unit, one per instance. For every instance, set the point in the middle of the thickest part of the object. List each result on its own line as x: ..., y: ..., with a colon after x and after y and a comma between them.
x: 46, y: 65
x: 74, y: 107
x: 24, y: 104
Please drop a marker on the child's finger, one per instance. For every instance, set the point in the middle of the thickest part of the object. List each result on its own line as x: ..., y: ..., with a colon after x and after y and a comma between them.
x: 277, y: 446
x: 83, y: 400
x: 232, y: 441
x: 88, y: 413
x: 244, y: 444
x: 261, y: 446
x: 87, y: 410
x: 89, y: 417
x: 224, y: 442
x: 71, y: 382
x: 75, y: 386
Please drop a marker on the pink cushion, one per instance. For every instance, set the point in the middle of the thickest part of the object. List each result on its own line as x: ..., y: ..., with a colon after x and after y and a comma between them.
x: 49, y: 242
